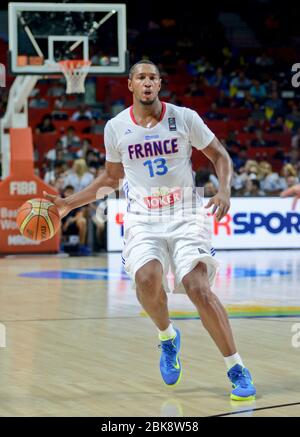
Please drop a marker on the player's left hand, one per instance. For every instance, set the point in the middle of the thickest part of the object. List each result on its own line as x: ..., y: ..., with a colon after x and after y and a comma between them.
x: 292, y: 191
x: 221, y: 202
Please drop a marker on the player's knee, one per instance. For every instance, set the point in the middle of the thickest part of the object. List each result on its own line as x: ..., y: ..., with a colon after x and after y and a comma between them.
x: 200, y: 295
x: 147, y: 281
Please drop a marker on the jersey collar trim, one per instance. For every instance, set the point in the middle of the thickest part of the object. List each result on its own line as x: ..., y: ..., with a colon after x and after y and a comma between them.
x: 163, y: 111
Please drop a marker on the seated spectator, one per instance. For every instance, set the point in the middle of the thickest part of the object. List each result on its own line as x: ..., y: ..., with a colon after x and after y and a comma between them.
x: 56, y: 154
x: 56, y: 174
x: 94, y: 127
x: 209, y: 189
x: 252, y: 188
x: 82, y: 114
x: 37, y: 101
x: 258, y: 91
x: 70, y: 139
x: 274, y: 102
x: 46, y: 126
x: 259, y: 140
x: 79, y: 177
x: 92, y: 156
x: 288, y: 176
x: 75, y: 224
x: 193, y: 90
x: 239, y: 85
x: 239, y: 159
x: 223, y: 101
x: 264, y: 60
x: 277, y: 126
x: 269, y: 180
x: 213, y: 114
x: 59, y: 115
x: 258, y: 113
x: 56, y: 90
x: 294, y: 116
x: 218, y: 80
x: 251, y: 126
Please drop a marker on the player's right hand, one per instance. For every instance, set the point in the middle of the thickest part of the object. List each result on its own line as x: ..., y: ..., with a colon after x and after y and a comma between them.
x: 292, y: 191
x: 59, y: 202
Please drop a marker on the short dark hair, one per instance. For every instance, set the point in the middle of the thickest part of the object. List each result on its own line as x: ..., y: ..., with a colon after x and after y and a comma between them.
x: 143, y: 61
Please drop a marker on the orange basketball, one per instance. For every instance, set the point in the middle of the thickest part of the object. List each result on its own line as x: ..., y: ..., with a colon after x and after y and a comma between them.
x: 38, y: 219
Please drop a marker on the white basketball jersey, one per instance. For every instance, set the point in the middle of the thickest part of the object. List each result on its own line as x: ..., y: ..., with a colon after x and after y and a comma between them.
x: 156, y: 160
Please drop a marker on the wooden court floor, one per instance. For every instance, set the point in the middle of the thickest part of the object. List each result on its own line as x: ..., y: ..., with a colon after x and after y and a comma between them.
x: 78, y: 344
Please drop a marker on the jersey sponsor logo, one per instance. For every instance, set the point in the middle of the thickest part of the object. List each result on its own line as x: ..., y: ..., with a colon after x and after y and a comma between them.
x: 151, y: 137
x: 172, y: 123
x: 162, y: 200
x: 128, y: 131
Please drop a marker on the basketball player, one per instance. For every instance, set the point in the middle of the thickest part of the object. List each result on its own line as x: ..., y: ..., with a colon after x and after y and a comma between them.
x: 150, y: 144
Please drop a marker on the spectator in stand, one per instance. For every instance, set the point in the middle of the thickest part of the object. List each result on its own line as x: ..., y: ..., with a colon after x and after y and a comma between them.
x: 239, y: 159
x: 218, y: 80
x: 79, y: 177
x: 213, y: 114
x: 252, y: 189
x: 56, y: 90
x: 70, y: 139
x: 46, y: 126
x: 75, y: 223
x: 239, y: 85
x: 258, y: 113
x: 250, y: 126
x: 82, y: 114
x: 232, y: 140
x: 269, y: 180
x: 277, y: 126
x: 288, y: 176
x: 55, y: 176
x: 274, y: 103
x: 36, y: 101
x: 258, y: 91
x: 294, y: 117
x: 56, y: 154
x: 94, y: 127
x: 209, y: 189
x: 264, y: 60
x: 194, y: 90
x: 258, y: 141
x: 223, y: 101
x: 94, y: 159
x: 293, y: 158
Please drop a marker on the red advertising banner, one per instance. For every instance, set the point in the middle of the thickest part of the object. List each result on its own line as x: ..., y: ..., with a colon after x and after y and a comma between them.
x: 19, y: 186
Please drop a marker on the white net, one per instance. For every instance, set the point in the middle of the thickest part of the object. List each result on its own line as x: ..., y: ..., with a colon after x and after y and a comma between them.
x: 75, y: 72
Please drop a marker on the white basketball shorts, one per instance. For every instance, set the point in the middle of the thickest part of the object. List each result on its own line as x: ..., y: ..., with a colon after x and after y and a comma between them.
x: 179, y: 243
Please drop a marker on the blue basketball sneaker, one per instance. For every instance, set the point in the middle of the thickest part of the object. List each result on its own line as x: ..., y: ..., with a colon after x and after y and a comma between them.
x: 170, y: 367
x: 242, y: 384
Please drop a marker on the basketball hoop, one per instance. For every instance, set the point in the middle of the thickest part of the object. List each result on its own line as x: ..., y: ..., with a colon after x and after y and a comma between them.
x: 75, y: 72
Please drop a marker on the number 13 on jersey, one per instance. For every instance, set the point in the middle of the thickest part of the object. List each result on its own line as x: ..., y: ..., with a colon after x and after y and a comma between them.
x: 157, y: 167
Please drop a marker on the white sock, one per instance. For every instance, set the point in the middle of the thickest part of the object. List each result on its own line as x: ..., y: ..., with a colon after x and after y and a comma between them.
x: 167, y: 333
x: 233, y: 360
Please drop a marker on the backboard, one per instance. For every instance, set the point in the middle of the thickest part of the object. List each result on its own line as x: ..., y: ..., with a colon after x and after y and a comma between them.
x: 41, y: 34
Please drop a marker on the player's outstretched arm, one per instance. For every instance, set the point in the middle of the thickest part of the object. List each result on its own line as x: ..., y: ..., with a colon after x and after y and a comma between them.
x: 104, y: 184
x: 292, y: 191
x: 218, y: 155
